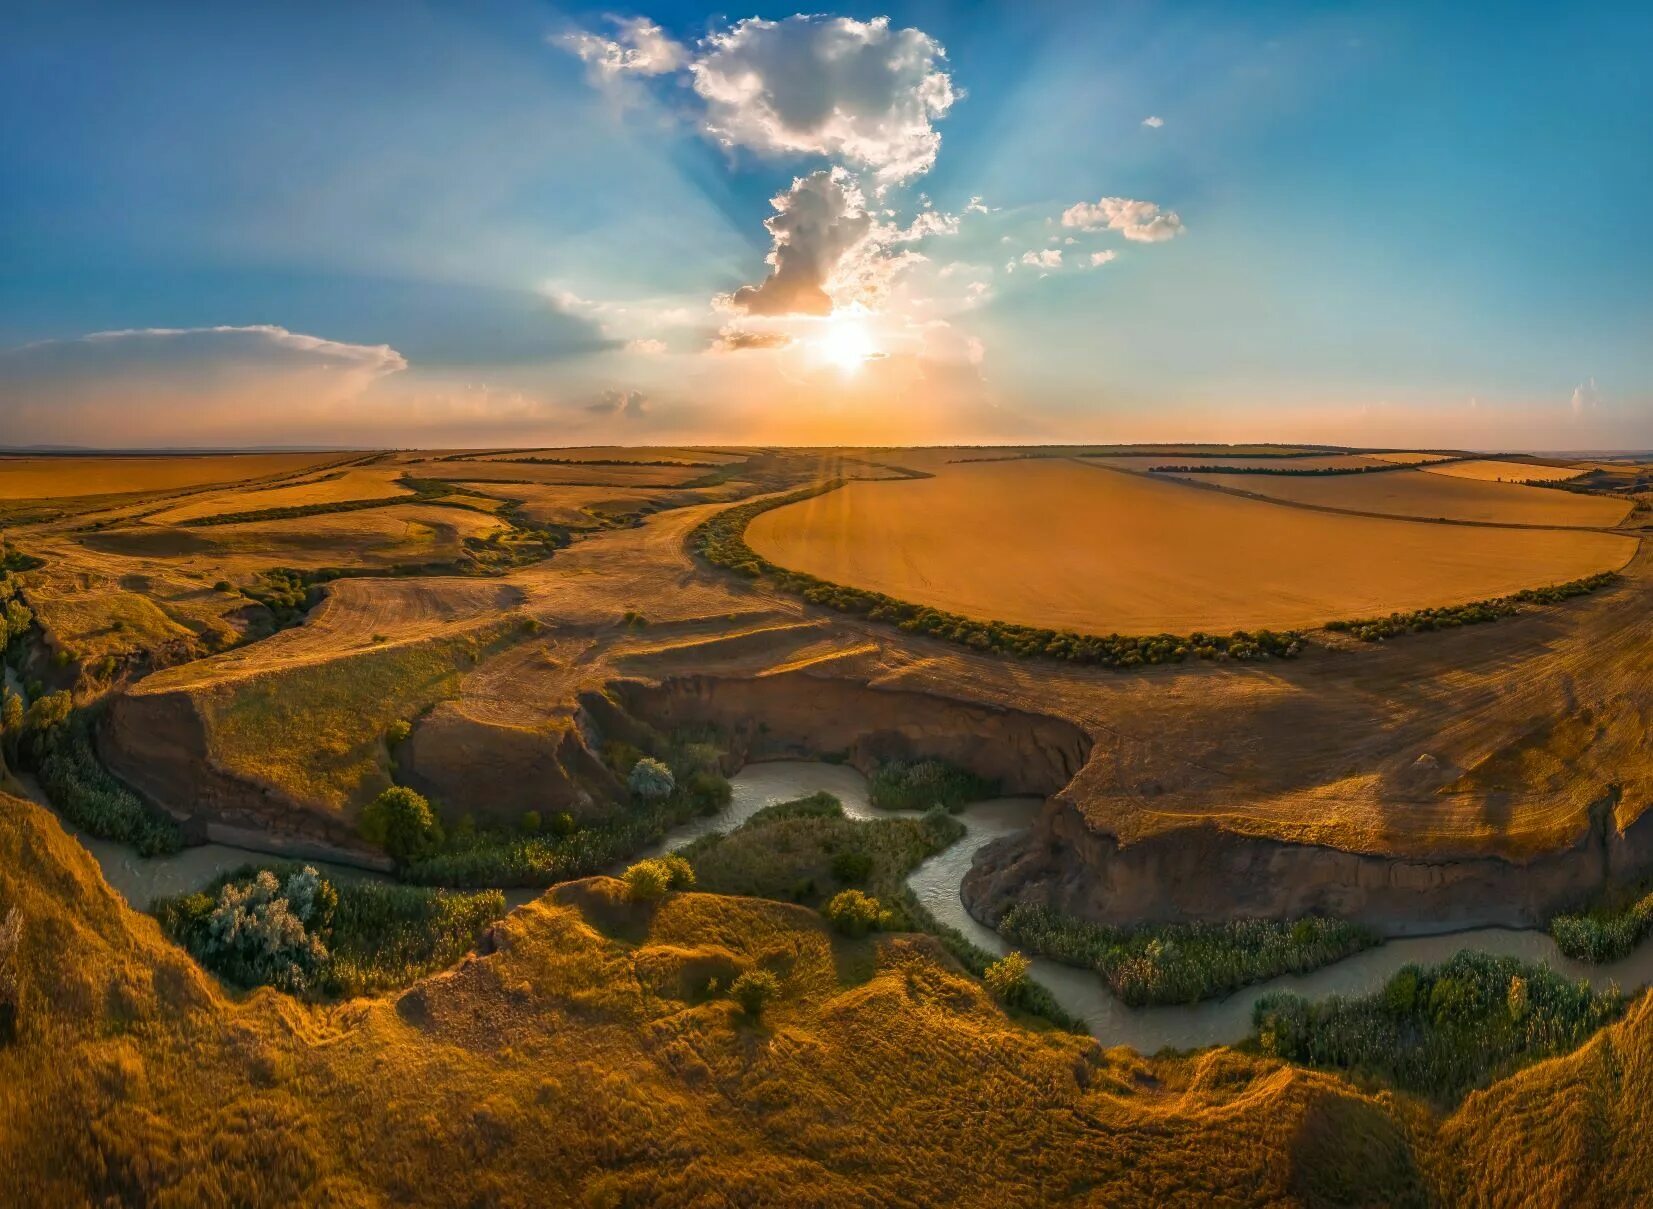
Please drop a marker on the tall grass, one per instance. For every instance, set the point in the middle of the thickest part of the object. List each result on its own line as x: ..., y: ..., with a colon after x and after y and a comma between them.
x: 1607, y: 933
x: 921, y: 784
x: 1440, y: 1031
x: 1184, y: 963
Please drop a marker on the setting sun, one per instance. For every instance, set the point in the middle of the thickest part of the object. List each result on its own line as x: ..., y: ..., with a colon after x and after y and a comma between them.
x: 846, y: 344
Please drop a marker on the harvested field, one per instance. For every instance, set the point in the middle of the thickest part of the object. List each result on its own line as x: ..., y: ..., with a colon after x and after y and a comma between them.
x: 621, y: 453
x: 1409, y: 457
x: 584, y: 506
x: 371, y: 537
x: 1064, y: 545
x: 356, y: 483
x: 70, y: 477
x: 1493, y: 470
x: 1415, y: 493
x: 596, y: 474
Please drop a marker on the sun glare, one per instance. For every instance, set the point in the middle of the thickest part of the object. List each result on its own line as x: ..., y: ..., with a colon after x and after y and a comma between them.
x: 846, y: 344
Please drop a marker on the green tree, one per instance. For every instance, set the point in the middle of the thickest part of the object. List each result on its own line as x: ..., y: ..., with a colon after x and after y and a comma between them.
x: 1007, y: 977
x: 50, y: 711
x: 852, y: 913
x: 401, y: 822
x: 651, y: 779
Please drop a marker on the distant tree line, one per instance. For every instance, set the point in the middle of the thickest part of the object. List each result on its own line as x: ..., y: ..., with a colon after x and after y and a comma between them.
x: 721, y: 541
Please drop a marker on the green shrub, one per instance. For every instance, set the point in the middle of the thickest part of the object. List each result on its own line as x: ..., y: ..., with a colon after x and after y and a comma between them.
x: 57, y: 745
x: 852, y: 913
x: 1477, y: 612
x: 754, y: 990
x: 650, y: 780
x: 398, y: 731
x: 851, y: 867
x: 1008, y: 978
x: 647, y: 881
x: 401, y: 822
x: 679, y: 873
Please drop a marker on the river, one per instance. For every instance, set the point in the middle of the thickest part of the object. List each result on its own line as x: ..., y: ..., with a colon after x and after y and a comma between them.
x: 936, y: 883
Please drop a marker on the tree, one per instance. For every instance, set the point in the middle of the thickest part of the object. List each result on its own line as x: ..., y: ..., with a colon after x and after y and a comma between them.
x: 48, y: 712
x: 852, y: 913
x: 401, y: 822
x: 651, y: 779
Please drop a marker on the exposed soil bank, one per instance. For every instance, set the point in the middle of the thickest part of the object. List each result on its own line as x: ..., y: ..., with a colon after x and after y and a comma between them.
x: 1207, y: 874
x: 796, y: 715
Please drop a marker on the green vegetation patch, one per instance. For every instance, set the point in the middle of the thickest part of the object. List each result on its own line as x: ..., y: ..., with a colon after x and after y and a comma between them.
x: 54, y: 740
x: 541, y: 853
x: 1607, y: 932
x: 288, y: 927
x: 721, y: 541
x: 921, y: 784
x: 1184, y: 963
x: 1376, y: 629
x: 317, y: 731
x: 806, y: 851
x: 1441, y: 1031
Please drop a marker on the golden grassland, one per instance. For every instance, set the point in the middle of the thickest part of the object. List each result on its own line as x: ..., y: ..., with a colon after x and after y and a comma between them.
x: 25, y: 478
x: 1059, y: 544
x: 1418, y: 493
x: 355, y: 483
x: 622, y: 453
x: 315, y: 731
x: 368, y: 537
x: 1332, y: 461
x: 1507, y: 472
x: 585, y: 506
x: 1407, y: 456
x: 583, y: 1061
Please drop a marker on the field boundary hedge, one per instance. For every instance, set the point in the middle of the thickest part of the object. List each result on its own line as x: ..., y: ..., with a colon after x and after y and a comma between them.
x: 721, y: 541
x: 1476, y: 612
x: 1305, y: 471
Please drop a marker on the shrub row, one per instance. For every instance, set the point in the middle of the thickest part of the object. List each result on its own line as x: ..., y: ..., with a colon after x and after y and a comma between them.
x: 1298, y: 471
x: 1184, y: 963
x: 1440, y: 1031
x: 1376, y: 629
x: 721, y: 541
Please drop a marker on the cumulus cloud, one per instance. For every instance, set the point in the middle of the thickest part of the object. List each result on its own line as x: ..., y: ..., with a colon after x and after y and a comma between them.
x: 1102, y: 258
x: 853, y: 91
x: 976, y: 206
x: 827, y: 250
x: 622, y: 404
x: 734, y: 339
x: 1142, y: 221
x: 646, y: 347
x: 1153, y: 121
x: 1049, y: 258
x: 639, y: 47
x: 977, y: 292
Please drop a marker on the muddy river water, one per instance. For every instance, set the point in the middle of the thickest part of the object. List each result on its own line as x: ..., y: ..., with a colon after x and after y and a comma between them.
x: 936, y: 883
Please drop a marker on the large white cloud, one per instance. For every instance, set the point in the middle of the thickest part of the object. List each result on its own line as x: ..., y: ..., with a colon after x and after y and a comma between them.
x: 1142, y: 221
x: 828, y: 250
x: 854, y: 91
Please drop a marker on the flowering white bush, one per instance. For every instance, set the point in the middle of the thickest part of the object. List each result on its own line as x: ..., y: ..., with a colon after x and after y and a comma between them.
x: 651, y: 779
x: 261, y: 926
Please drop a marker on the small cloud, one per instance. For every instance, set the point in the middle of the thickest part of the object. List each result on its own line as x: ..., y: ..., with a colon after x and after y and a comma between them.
x: 1153, y: 121
x: 1101, y: 258
x: 739, y: 339
x: 1049, y: 258
x: 1585, y: 397
x: 976, y: 293
x: 639, y: 47
x: 976, y: 206
x: 648, y: 348
x: 623, y: 404
x: 1142, y: 221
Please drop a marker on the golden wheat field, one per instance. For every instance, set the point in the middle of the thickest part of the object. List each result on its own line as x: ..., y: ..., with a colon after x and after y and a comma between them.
x: 1064, y: 545
x: 1330, y: 461
x: 1507, y: 472
x: 1414, y: 493
x: 591, y: 474
x: 68, y: 477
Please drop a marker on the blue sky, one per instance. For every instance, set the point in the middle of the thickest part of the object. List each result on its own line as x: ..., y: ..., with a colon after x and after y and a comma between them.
x: 399, y: 224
